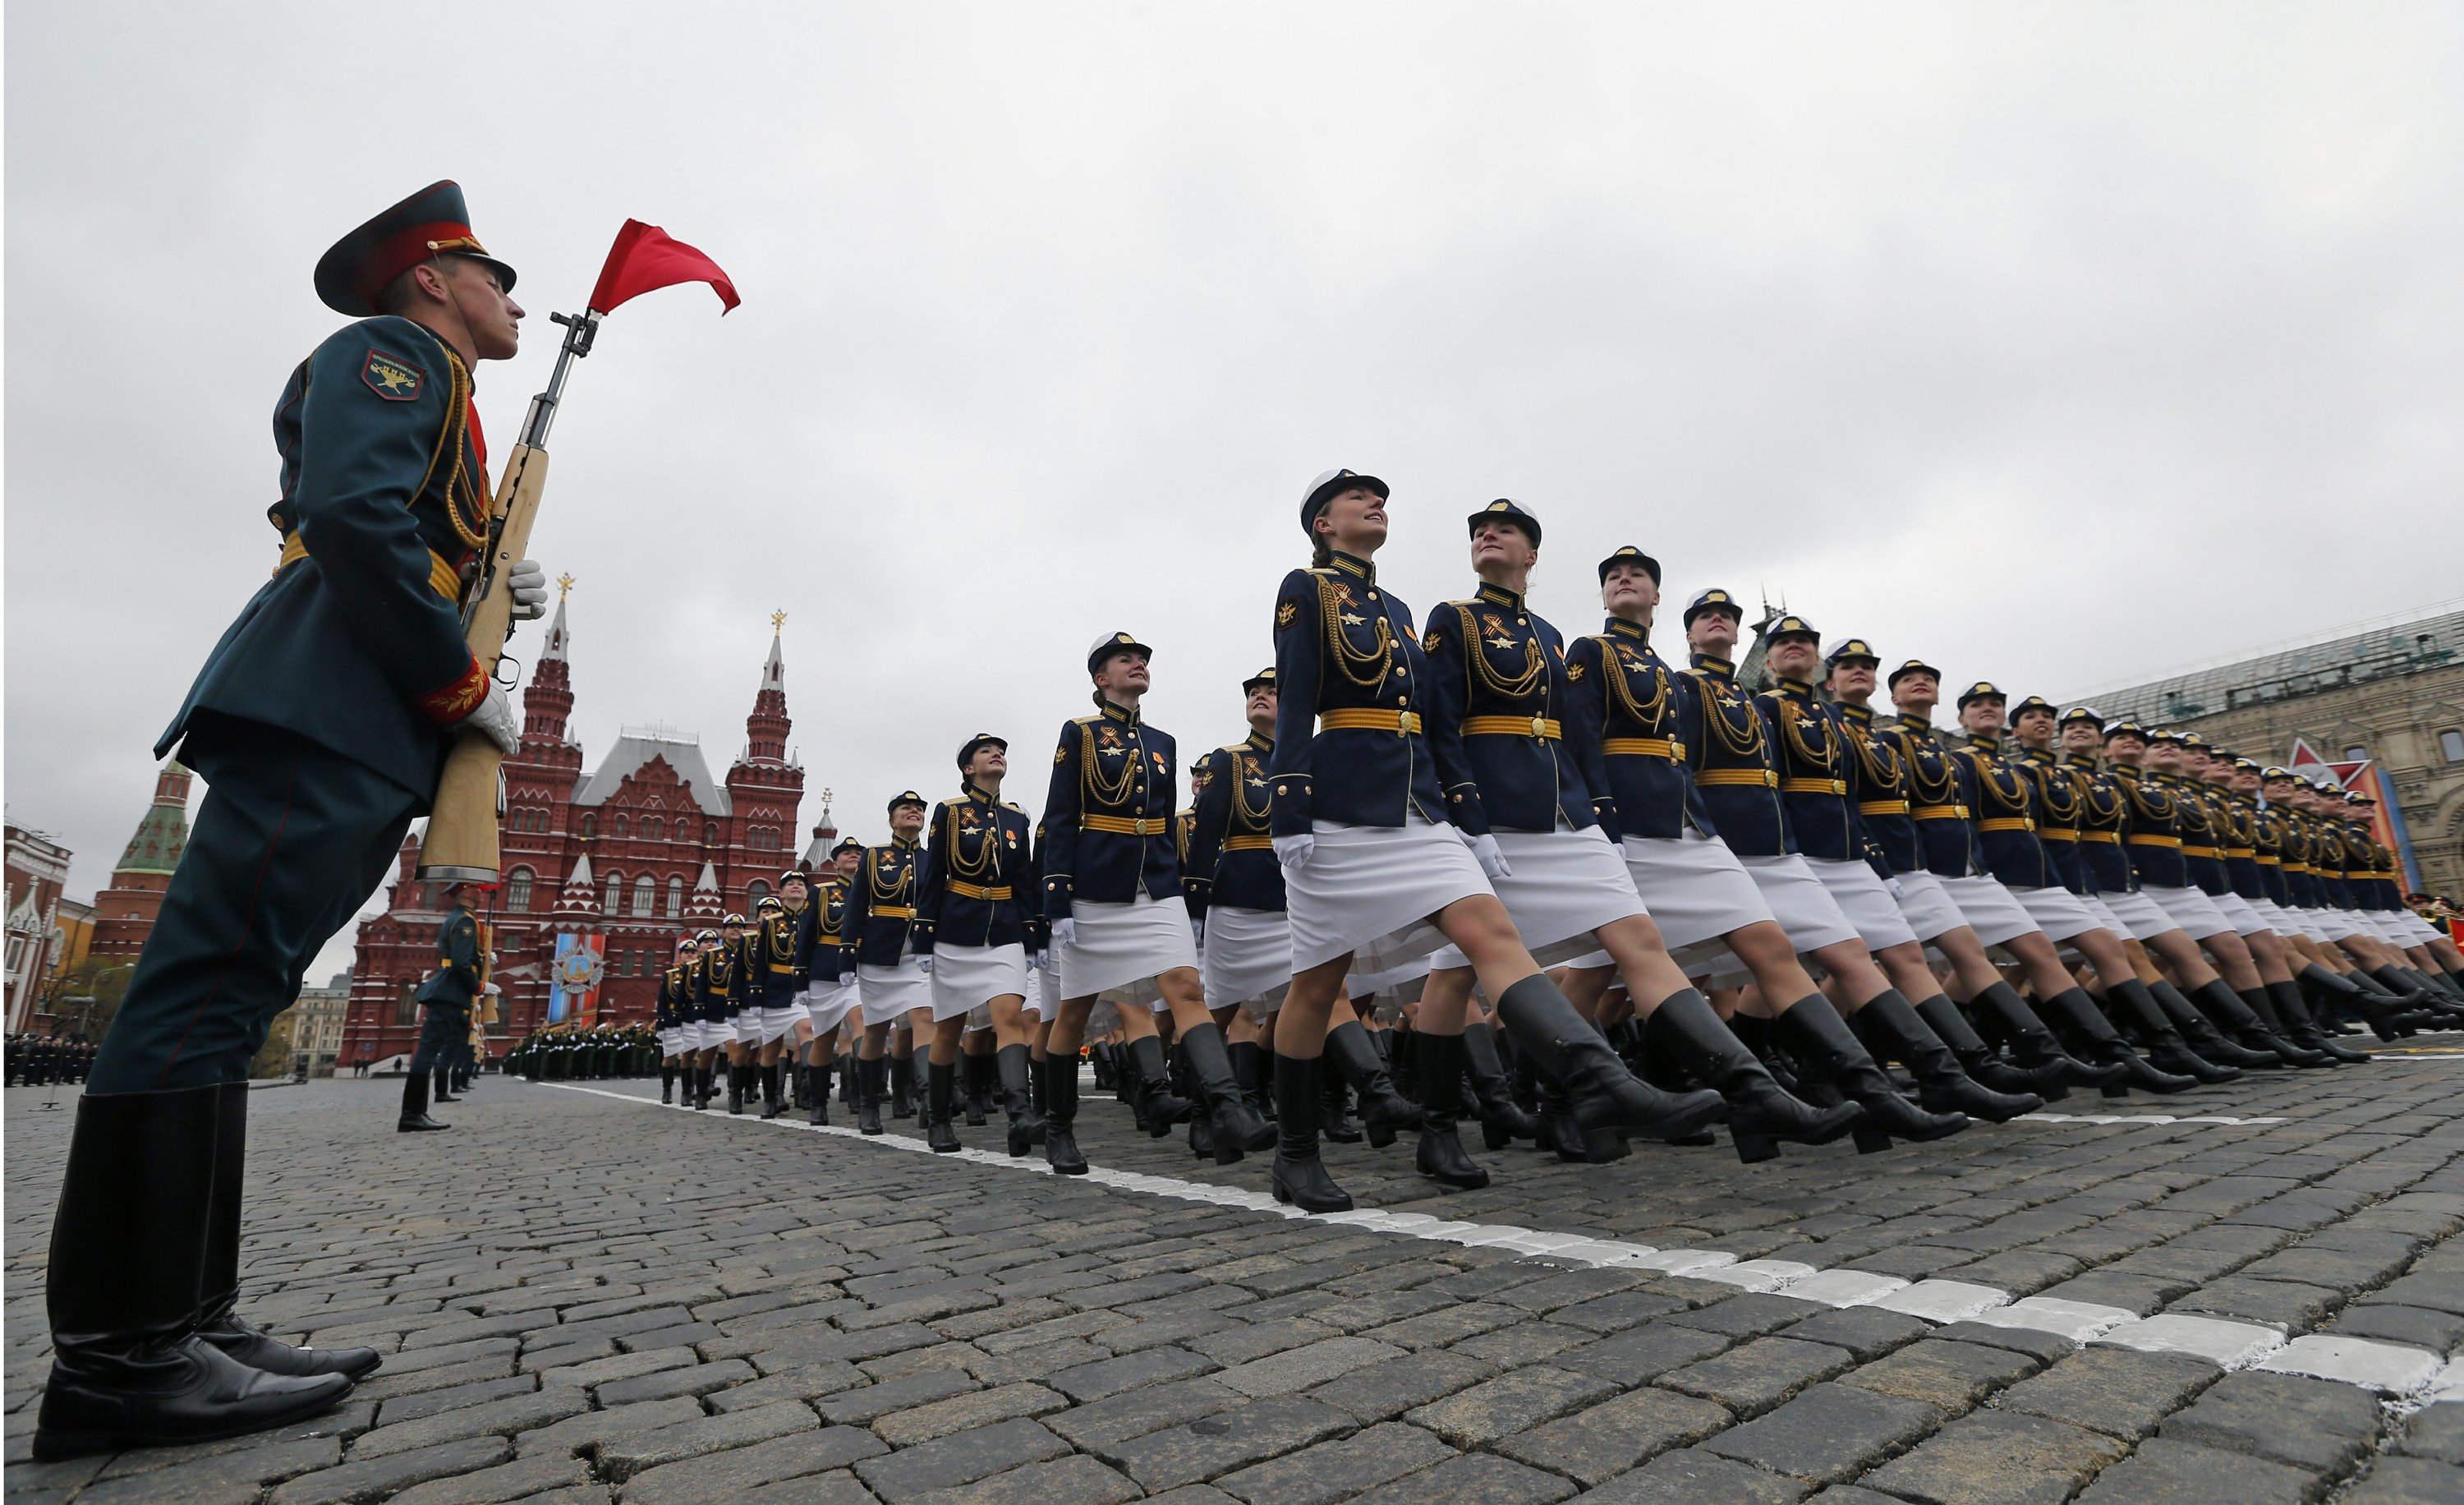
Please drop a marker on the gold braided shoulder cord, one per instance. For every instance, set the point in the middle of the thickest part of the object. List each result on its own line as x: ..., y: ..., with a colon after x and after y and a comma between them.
x: 1989, y: 772
x: 1922, y: 786
x: 1244, y: 815
x: 1483, y: 676
x: 461, y: 490
x: 1791, y: 725
x: 987, y: 848
x: 2102, y: 812
x: 1884, y: 768
x: 2066, y: 807
x: 1745, y: 741
x: 872, y: 878
x: 1614, y: 669
x: 1355, y: 663
x: 2155, y: 804
x: 782, y: 942
x: 1094, y: 791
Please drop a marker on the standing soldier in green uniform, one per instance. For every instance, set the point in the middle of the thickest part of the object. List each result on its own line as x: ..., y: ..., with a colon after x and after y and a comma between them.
x: 321, y: 723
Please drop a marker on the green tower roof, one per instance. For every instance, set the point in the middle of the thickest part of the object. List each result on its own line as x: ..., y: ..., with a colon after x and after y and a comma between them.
x: 164, y: 834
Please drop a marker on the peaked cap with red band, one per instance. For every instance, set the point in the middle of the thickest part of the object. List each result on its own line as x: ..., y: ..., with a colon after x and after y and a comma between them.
x: 431, y: 222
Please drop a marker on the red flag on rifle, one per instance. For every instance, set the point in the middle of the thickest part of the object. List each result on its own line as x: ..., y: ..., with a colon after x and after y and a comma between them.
x: 646, y: 258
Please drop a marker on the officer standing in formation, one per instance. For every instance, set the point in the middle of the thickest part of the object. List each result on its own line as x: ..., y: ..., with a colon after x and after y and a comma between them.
x: 320, y: 723
x: 445, y: 1002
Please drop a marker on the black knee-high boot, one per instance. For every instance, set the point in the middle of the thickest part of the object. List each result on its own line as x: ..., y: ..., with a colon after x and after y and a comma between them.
x: 2293, y: 1017
x: 1159, y: 1110
x: 772, y: 1103
x: 1502, y: 1120
x: 2088, y: 1033
x: 2034, y: 1044
x: 2168, y: 1050
x: 1383, y: 1110
x: 1889, y: 1027
x: 2203, y: 1037
x: 1026, y: 1128
x: 978, y: 1087
x: 940, y: 1093
x: 414, y: 1118
x: 871, y: 1077
x: 817, y: 1089
x: 666, y: 1083
x: 1942, y: 1016
x: 2388, y: 1024
x: 1603, y: 1094
x: 1299, y: 1176
x: 1250, y: 1069
x: 1441, y: 1067
x: 1685, y: 1030
x: 902, y: 1086
x: 2238, y: 1015
x: 130, y: 1243
x: 1236, y: 1126
x: 1821, y: 1040
x: 1060, y: 1116
x: 218, y: 1318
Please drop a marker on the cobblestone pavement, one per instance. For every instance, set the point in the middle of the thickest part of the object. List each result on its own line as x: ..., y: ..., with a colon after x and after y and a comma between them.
x: 583, y: 1296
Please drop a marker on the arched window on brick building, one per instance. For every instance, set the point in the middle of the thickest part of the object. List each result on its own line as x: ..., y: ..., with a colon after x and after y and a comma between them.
x: 675, y: 899
x: 646, y: 895
x: 518, y: 892
x: 613, y: 898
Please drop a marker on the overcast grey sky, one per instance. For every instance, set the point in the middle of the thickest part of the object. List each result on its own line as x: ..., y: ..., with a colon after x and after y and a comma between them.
x: 2059, y: 344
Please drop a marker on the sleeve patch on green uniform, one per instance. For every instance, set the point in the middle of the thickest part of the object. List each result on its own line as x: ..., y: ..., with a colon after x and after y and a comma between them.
x: 391, y: 377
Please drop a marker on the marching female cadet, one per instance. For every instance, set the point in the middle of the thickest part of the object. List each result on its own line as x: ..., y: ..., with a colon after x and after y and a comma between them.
x: 1377, y: 873
x: 778, y: 977
x: 1236, y: 891
x: 674, y: 1029
x: 2286, y: 848
x: 2014, y: 804
x: 828, y: 965
x: 720, y: 986
x: 1540, y: 784
x: 706, y: 1027
x: 881, y: 907
x: 1729, y: 745
x: 1118, y: 919
x: 976, y: 915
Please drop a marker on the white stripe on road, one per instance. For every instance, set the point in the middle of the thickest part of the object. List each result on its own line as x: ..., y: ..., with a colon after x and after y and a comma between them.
x: 2412, y: 1376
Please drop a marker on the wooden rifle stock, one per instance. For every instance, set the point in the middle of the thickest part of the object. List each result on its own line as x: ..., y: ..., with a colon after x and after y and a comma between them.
x: 461, y: 841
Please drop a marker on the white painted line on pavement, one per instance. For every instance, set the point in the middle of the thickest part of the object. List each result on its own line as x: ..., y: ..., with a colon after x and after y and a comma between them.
x: 2407, y: 1374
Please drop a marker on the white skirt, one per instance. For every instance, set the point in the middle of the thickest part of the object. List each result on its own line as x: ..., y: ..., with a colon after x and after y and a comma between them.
x: 2191, y: 911
x: 889, y: 992
x: 2141, y: 917
x: 777, y: 1024
x: 2421, y: 930
x: 827, y: 1003
x: 1374, y: 892
x: 2057, y: 911
x: 1120, y: 945
x: 1694, y: 887
x: 1563, y: 886
x: 1044, y: 993
x: 1803, y: 907
x: 2239, y: 914
x: 1247, y: 958
x: 1859, y: 892
x: 2305, y: 923
x: 1925, y: 905
x: 968, y: 978
x: 1989, y: 908
x: 708, y: 1035
x: 671, y: 1040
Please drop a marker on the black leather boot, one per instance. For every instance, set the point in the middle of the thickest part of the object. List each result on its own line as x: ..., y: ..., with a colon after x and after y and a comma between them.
x: 979, y: 1077
x: 871, y: 1076
x: 736, y: 1085
x: 1604, y: 1095
x: 2167, y: 1050
x: 1977, y: 1059
x: 1236, y: 1127
x: 1439, y: 1076
x: 218, y: 1321
x: 2292, y: 1018
x: 667, y: 1085
x: 1017, y: 1099
x: 1299, y: 1177
x: 1250, y: 1069
x: 1339, y: 1129
x: 414, y: 1117
x: 1502, y: 1120
x: 2034, y: 1044
x: 1384, y: 1112
x: 2202, y: 1035
x: 2090, y: 1035
x: 902, y: 1086
x: 1158, y: 1109
x: 1685, y: 1030
x: 1823, y: 1044
x: 1061, y: 1114
x: 2240, y: 1017
x: 772, y: 1103
x: 817, y: 1092
x: 129, y: 1242
x: 1889, y: 1027
x: 2323, y: 985
x: 940, y: 1106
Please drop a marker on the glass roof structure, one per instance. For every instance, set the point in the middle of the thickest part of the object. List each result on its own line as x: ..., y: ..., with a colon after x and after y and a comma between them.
x: 2381, y: 652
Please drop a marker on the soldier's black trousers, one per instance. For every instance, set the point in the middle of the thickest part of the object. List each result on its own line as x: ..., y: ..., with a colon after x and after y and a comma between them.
x: 290, y: 840
x: 443, y: 1035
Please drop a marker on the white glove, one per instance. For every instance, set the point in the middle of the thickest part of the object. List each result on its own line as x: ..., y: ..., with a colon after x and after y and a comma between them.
x: 493, y: 988
x: 1044, y: 960
x: 1064, y: 933
x: 494, y: 720
x: 1294, y: 851
x: 924, y: 964
x: 527, y: 581
x: 1492, y: 861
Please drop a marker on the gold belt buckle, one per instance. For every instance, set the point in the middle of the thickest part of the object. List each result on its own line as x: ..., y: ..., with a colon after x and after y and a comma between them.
x: 1540, y: 726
